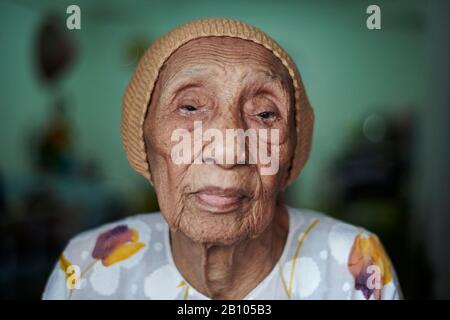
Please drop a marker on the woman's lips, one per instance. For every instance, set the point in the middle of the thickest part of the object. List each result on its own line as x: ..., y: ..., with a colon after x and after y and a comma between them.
x: 220, y: 199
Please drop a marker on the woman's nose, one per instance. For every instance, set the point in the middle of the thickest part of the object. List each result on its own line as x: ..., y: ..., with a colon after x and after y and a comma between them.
x: 229, y: 146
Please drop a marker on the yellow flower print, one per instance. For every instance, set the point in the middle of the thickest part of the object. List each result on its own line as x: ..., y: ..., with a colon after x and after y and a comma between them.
x: 186, y: 290
x: 111, y: 247
x: 64, y: 264
x: 71, y: 276
x: 116, y: 244
x: 367, y: 252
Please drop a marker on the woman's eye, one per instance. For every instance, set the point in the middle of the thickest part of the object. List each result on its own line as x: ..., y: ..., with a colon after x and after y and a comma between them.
x: 267, y: 115
x: 188, y: 108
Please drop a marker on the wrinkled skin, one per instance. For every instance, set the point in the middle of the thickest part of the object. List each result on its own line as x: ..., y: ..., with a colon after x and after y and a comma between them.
x: 227, y: 83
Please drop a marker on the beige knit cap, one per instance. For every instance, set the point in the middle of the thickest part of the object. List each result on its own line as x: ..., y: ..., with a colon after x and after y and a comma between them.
x: 138, y: 93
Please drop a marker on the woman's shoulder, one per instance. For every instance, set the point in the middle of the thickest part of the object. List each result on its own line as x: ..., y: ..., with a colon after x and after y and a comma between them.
x: 135, y: 228
x: 343, y: 256
x: 323, y: 224
x: 104, y: 250
x: 316, y: 230
x: 150, y: 220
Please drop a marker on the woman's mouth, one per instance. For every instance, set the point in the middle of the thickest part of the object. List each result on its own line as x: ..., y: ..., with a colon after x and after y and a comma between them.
x: 220, y: 200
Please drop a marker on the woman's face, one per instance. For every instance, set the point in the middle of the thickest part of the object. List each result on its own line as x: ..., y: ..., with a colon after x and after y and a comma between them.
x: 224, y: 84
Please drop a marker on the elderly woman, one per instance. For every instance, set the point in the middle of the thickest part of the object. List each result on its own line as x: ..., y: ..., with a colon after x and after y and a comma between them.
x: 222, y: 232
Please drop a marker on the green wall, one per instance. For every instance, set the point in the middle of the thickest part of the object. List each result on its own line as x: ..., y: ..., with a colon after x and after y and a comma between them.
x: 349, y: 71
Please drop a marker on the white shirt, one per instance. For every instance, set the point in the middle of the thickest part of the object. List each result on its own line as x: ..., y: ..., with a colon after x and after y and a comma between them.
x: 323, y: 258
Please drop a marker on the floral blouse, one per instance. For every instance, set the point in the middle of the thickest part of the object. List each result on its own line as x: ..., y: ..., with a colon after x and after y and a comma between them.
x: 323, y: 258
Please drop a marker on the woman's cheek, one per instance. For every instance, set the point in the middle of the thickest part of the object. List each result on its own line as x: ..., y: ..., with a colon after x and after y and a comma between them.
x: 160, y: 139
x: 277, y: 169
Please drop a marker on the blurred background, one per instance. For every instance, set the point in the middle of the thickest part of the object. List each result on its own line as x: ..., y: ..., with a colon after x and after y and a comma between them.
x: 380, y: 155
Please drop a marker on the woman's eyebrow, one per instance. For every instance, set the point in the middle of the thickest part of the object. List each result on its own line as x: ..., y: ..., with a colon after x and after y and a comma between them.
x: 274, y: 79
x: 187, y: 74
x: 183, y: 86
x: 270, y: 74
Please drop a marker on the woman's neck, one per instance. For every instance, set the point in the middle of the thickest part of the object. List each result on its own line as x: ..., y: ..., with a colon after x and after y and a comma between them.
x: 230, y: 271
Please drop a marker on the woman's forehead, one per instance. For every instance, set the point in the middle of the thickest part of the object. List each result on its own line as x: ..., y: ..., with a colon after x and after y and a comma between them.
x: 214, y: 55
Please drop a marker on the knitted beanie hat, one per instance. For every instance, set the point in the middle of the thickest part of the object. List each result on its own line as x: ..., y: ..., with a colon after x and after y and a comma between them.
x: 138, y: 93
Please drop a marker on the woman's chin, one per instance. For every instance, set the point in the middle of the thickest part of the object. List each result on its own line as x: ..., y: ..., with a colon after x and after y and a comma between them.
x: 215, y: 232
x: 203, y: 235
x: 221, y: 228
